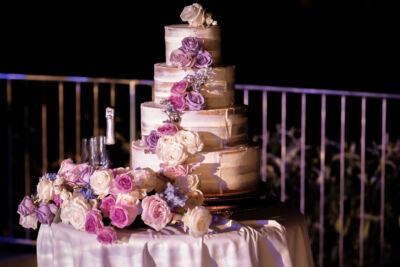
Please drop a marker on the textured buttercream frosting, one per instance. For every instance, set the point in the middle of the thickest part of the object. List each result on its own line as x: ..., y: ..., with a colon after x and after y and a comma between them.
x: 174, y: 34
x: 232, y: 170
x: 217, y: 127
x: 219, y: 92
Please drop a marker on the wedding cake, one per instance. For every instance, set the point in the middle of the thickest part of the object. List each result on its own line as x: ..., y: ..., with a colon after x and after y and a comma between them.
x: 193, y: 106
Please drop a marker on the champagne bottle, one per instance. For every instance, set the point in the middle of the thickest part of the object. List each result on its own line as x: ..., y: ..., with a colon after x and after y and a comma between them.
x: 110, y: 138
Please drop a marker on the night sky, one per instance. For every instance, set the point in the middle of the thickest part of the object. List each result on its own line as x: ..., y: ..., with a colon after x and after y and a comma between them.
x: 292, y: 47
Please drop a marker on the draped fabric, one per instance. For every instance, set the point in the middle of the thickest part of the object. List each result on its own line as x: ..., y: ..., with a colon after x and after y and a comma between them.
x: 281, y: 241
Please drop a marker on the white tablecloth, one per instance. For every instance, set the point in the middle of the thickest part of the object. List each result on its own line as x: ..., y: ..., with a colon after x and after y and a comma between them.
x: 278, y: 240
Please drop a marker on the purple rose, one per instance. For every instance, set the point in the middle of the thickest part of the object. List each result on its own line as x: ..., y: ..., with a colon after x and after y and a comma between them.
x: 180, y: 87
x: 43, y: 214
x: 194, y: 101
x: 53, y: 208
x: 107, y: 235
x: 203, y: 59
x: 26, y: 206
x: 177, y: 101
x: 123, y: 215
x: 124, y: 183
x: 106, y: 204
x: 152, y: 140
x: 181, y: 59
x: 94, y: 221
x: 167, y: 129
x: 191, y: 45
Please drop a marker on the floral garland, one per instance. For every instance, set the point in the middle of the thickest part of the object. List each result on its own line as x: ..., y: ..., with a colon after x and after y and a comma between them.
x: 98, y: 200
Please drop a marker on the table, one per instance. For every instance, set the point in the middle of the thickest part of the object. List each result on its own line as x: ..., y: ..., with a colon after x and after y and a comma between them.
x: 269, y: 235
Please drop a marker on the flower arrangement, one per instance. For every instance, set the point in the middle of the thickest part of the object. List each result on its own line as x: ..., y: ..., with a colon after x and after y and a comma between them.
x: 191, y: 54
x: 196, y: 16
x: 99, y: 200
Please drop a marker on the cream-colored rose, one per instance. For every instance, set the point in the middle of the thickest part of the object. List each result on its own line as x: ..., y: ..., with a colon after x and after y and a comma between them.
x: 147, y: 180
x: 45, y: 189
x: 57, y: 184
x: 74, y: 211
x: 65, y: 195
x: 195, y: 198
x: 190, y: 140
x: 170, y: 152
x: 193, y: 14
x: 198, y: 221
x: 29, y: 221
x: 187, y: 183
x: 130, y: 199
x: 100, y: 182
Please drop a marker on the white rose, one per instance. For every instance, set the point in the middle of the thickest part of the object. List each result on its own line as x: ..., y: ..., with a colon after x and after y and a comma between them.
x: 187, y: 183
x: 45, y: 189
x: 190, y: 140
x: 100, y: 182
x: 193, y: 14
x: 170, y: 152
x: 146, y: 181
x: 74, y: 212
x: 195, y: 198
x: 29, y: 221
x: 198, y: 221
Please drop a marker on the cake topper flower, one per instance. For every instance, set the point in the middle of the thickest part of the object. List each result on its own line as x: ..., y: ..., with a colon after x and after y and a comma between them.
x: 196, y: 16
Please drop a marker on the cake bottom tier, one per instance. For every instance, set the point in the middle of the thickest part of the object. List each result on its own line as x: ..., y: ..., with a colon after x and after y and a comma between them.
x: 228, y: 171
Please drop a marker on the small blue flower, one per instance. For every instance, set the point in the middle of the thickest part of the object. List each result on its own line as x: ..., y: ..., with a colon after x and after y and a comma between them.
x: 87, y: 192
x: 173, y: 196
x: 51, y: 176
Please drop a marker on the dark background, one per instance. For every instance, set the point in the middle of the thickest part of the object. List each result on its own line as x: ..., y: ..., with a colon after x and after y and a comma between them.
x: 343, y: 48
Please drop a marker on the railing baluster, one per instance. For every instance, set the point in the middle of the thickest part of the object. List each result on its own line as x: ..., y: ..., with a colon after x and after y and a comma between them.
x: 322, y: 182
x: 44, y: 132
x: 302, y: 152
x: 264, y: 136
x: 78, y: 122
x: 10, y: 180
x: 362, y: 178
x: 95, y: 109
x: 283, y: 148
x: 132, y: 112
x: 246, y: 97
x: 61, y: 121
x: 342, y: 163
x: 383, y: 169
x: 27, y: 178
x: 112, y: 95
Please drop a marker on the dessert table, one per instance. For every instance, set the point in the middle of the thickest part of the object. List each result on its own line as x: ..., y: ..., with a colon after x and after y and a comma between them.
x: 262, y: 235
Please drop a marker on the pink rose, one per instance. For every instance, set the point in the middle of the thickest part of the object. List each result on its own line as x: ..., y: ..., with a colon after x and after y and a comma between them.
x: 175, y: 171
x: 106, y: 204
x: 123, y: 215
x: 94, y: 221
x: 156, y: 212
x: 71, y: 171
x: 177, y: 101
x: 167, y: 129
x: 124, y: 183
x: 57, y: 199
x: 180, y: 87
x: 181, y: 59
x: 107, y: 235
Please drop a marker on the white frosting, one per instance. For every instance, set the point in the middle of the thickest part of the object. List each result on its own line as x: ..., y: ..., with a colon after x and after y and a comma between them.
x: 217, y: 127
x: 218, y: 92
x: 227, y: 171
x: 211, y: 36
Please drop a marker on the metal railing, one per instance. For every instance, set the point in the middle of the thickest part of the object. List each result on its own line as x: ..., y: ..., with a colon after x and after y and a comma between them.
x: 247, y: 89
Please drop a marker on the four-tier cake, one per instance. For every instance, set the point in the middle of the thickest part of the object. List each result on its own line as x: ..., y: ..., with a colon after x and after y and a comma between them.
x: 193, y: 95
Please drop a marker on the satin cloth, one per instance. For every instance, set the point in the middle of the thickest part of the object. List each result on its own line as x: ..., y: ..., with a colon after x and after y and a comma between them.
x: 281, y: 241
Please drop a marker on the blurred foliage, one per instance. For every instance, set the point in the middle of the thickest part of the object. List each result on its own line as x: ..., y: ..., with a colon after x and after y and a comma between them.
x: 351, y: 222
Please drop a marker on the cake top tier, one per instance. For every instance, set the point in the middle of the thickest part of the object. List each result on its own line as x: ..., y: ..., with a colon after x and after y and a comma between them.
x: 201, y: 28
